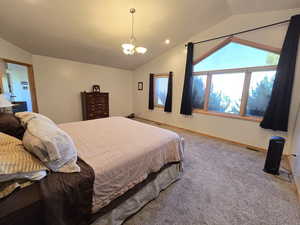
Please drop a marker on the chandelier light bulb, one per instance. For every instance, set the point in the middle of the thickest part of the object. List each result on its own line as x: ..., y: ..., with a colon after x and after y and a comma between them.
x: 128, y: 46
x: 141, y: 50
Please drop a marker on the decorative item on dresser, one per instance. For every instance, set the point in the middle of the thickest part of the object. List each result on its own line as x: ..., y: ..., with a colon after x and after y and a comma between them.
x: 95, y: 105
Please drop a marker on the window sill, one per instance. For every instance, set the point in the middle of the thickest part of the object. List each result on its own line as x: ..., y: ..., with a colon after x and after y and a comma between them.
x: 227, y: 115
x: 159, y: 106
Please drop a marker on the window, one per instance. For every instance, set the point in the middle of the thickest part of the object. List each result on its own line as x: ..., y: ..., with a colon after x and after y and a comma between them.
x: 160, y: 90
x: 235, y: 79
x: 259, y: 92
x: 235, y: 55
x: 199, y: 85
x: 223, y: 97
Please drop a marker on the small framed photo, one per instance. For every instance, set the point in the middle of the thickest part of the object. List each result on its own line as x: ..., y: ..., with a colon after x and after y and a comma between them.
x: 140, y: 86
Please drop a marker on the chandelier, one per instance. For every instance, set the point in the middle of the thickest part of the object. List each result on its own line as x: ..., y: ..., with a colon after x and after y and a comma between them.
x: 130, y: 48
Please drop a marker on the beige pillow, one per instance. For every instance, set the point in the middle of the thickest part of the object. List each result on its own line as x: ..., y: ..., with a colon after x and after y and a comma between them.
x: 17, y: 166
x: 25, y: 117
x: 16, y: 162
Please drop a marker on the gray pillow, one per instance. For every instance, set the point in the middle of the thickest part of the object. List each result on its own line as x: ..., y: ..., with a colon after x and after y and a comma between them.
x: 54, y: 147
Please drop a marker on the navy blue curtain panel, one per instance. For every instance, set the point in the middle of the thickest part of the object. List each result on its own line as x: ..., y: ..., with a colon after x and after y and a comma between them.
x: 168, y: 104
x: 186, y: 101
x: 151, y: 92
x: 277, y: 114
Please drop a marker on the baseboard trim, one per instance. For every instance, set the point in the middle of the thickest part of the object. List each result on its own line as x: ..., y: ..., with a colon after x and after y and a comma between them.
x: 250, y: 147
x: 285, y: 156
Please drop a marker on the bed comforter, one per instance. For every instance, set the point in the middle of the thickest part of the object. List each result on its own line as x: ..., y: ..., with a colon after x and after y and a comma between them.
x: 58, y: 199
x: 122, y: 153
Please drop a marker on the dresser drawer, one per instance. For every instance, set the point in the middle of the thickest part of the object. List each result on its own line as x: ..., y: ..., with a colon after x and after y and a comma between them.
x: 98, y: 109
x: 97, y: 101
x: 95, y: 105
x: 92, y: 116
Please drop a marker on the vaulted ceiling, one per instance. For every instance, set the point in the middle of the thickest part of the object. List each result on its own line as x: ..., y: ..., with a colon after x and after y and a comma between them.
x: 92, y: 31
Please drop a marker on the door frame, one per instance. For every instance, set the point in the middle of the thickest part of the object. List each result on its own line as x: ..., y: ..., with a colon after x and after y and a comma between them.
x: 30, y: 80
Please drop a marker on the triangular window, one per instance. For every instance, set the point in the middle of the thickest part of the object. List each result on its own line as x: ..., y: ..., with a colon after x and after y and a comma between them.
x: 234, y: 54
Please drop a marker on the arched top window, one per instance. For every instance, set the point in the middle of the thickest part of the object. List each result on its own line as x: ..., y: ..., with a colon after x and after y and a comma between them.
x: 235, y: 79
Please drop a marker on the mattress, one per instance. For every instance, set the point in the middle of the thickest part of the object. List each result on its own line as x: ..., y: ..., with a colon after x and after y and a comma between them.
x: 122, y: 153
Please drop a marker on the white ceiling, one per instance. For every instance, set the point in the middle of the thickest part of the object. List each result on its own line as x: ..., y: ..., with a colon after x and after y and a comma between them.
x: 92, y: 31
x: 249, y: 6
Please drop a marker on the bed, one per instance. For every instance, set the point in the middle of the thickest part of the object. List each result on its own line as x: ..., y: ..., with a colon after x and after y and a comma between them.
x: 132, y: 162
x: 123, y: 154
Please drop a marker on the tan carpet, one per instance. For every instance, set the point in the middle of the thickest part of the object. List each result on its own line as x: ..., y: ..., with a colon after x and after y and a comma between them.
x: 223, y: 184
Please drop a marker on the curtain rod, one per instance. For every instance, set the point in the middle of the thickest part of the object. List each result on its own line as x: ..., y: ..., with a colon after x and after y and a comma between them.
x: 241, y: 32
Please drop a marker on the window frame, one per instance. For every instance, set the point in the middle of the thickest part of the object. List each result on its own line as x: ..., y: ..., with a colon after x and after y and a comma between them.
x: 247, y: 70
x: 155, y: 76
x: 245, y: 94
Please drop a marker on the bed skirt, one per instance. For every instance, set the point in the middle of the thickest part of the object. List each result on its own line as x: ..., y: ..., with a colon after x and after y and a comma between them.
x: 127, y: 205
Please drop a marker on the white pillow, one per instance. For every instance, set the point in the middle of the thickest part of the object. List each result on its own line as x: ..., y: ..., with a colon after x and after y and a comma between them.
x: 54, y: 147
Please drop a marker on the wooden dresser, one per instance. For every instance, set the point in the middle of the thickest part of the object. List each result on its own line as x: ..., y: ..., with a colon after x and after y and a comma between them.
x: 95, y: 105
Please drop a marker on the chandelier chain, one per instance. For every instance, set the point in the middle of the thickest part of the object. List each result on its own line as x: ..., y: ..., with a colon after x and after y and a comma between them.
x: 132, y: 26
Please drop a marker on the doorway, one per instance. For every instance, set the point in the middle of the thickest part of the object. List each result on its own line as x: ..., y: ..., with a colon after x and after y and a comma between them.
x: 18, y: 86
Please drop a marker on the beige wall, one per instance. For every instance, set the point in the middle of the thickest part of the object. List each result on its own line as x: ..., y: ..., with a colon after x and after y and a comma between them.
x: 59, y: 83
x: 294, y: 133
x: 246, y: 132
x: 295, y: 161
x: 12, y: 52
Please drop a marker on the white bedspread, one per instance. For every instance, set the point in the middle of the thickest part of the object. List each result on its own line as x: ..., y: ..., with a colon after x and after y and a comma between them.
x: 122, y: 153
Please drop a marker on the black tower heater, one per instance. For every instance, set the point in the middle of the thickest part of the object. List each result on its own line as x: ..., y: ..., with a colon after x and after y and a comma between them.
x: 274, y: 155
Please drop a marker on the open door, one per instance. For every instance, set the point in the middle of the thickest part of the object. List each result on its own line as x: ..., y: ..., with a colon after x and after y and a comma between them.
x: 2, y: 72
x: 17, y: 84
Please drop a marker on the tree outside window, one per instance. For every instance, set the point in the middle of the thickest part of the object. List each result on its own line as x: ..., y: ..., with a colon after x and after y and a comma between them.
x: 235, y: 79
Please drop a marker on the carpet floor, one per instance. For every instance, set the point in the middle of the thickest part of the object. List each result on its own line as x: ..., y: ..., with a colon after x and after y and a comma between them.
x: 222, y: 184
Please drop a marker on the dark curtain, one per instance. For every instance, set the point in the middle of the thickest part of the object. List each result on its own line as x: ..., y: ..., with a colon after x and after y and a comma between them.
x: 151, y: 92
x: 186, y: 101
x: 277, y: 114
x: 168, y: 104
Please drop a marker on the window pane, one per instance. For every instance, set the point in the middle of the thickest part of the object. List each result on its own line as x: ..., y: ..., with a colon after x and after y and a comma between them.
x: 161, y: 89
x: 260, y: 92
x: 234, y: 55
x: 199, y: 85
x: 226, y: 92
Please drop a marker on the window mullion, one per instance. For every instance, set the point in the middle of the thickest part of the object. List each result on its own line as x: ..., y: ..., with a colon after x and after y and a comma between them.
x: 245, y: 93
x: 207, y: 91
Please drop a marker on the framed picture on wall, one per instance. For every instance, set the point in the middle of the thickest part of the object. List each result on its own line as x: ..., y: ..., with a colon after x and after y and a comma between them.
x: 140, y: 86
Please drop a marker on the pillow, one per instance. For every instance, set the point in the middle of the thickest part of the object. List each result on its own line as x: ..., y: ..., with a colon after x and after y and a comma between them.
x: 25, y: 117
x: 16, y: 162
x: 54, y: 147
x: 11, y: 125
